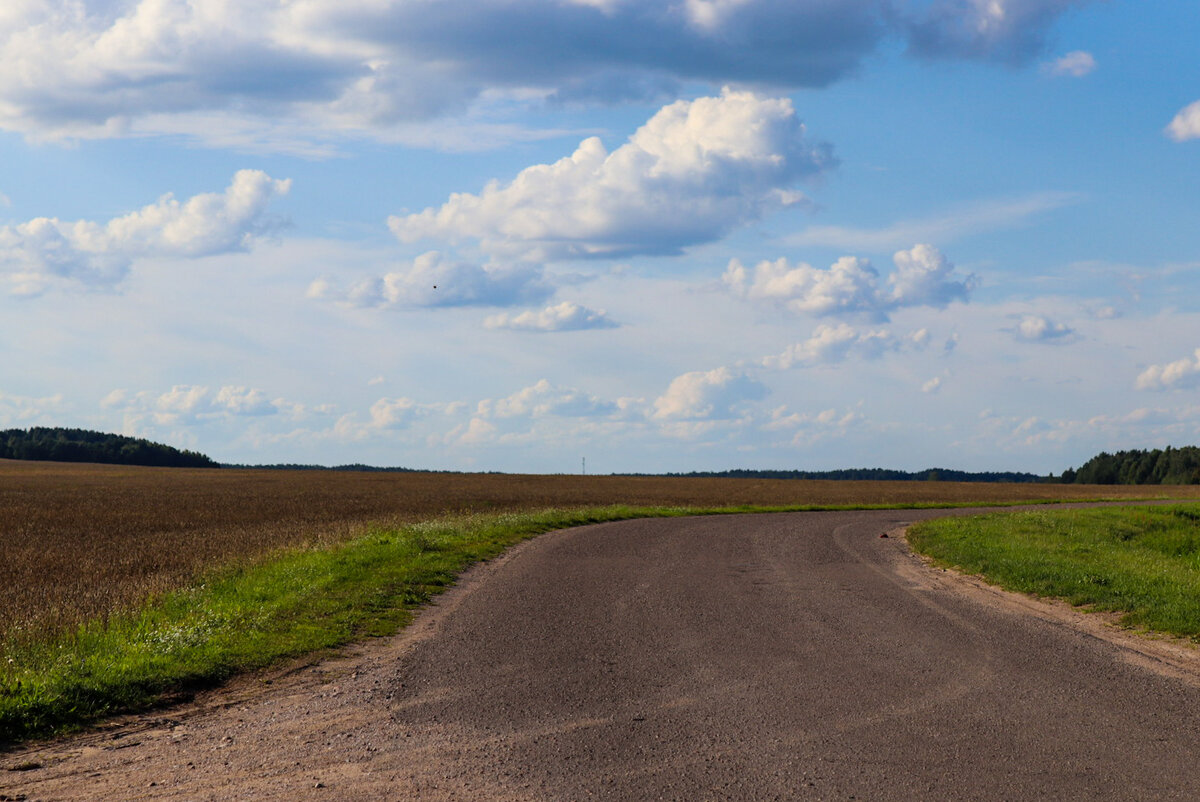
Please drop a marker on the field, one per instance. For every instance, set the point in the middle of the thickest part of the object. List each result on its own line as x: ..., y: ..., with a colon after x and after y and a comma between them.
x: 123, y: 586
x: 79, y: 541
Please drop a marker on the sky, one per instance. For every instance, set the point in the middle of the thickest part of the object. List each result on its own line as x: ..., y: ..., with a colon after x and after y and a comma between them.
x: 513, y: 235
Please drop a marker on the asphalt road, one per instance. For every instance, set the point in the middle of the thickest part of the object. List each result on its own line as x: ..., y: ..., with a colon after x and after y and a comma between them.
x: 789, y: 656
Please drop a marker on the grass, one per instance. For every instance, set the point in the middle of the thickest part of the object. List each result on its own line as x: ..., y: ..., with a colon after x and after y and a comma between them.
x: 294, y: 602
x: 1141, y: 562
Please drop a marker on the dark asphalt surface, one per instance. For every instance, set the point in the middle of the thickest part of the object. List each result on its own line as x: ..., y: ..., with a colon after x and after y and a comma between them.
x: 757, y: 657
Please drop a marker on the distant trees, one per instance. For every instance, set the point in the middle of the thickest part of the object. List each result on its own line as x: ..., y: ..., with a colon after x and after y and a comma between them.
x: 880, y: 475
x: 82, y: 445
x: 1169, y: 466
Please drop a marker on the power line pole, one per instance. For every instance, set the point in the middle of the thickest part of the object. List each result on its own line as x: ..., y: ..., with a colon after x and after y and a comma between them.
x: 585, y: 466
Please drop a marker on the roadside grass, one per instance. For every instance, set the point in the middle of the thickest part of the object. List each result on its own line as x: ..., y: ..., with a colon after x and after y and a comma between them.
x: 1141, y: 562
x: 284, y: 604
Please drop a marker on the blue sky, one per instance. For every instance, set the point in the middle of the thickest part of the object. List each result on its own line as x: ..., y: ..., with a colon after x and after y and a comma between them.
x: 664, y: 236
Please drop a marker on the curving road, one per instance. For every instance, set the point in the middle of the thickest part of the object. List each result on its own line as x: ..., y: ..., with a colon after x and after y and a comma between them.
x: 789, y: 656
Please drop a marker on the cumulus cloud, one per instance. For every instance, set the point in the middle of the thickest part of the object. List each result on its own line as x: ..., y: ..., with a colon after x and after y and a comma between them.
x: 25, y: 409
x: 432, y: 280
x: 396, y: 413
x: 697, y: 170
x: 1143, y: 425
x: 923, y: 277
x: 46, y: 250
x: 1186, y: 124
x: 707, y: 395
x: 1076, y: 64
x: 833, y: 344
x: 1011, y: 31
x: 387, y: 415
x: 544, y: 399
x: 1040, y: 329
x: 565, y: 316
x: 192, y: 404
x: 540, y: 411
x: 809, y: 429
x: 849, y: 285
x: 1180, y: 374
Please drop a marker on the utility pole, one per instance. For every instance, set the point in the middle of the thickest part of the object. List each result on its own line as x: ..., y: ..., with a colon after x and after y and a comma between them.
x: 585, y: 466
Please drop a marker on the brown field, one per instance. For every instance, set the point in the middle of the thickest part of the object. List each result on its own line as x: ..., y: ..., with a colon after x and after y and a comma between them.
x: 77, y: 541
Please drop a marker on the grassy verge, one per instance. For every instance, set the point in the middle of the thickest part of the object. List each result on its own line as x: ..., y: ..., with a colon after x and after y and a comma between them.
x: 1142, y: 562
x: 249, y: 616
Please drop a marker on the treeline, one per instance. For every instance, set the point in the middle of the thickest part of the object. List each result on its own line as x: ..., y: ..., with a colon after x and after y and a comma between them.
x: 876, y: 474
x: 1169, y: 466
x: 295, y: 466
x: 82, y: 445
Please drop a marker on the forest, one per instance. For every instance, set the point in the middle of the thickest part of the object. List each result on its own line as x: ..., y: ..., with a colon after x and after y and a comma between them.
x: 81, y: 445
x: 1169, y: 466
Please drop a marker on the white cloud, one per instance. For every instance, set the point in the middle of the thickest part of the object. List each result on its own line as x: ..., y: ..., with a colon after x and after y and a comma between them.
x: 435, y: 281
x: 387, y: 415
x: 923, y: 277
x: 849, y: 285
x: 45, y: 250
x: 475, y: 432
x: 1180, y: 374
x: 565, y: 316
x: 707, y: 394
x: 396, y: 413
x: 192, y: 404
x: 811, y: 428
x: 933, y: 385
x: 27, y: 410
x: 942, y: 228
x: 1186, y: 124
x: 1040, y: 329
x: 833, y: 344
x: 1148, y: 427
x: 1011, y: 31
x: 1076, y: 64
x: 697, y: 170
x: 543, y: 399
x: 245, y: 401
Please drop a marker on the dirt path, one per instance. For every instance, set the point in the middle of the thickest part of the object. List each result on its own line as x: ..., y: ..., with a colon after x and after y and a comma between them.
x: 790, y: 656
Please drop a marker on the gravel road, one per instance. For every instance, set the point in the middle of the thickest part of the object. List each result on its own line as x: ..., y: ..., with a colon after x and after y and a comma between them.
x: 757, y: 657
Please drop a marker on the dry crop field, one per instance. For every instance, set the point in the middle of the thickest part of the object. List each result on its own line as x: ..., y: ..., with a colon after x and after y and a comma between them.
x: 77, y: 541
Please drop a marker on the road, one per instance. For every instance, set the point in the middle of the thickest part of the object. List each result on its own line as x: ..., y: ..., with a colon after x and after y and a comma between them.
x: 782, y: 656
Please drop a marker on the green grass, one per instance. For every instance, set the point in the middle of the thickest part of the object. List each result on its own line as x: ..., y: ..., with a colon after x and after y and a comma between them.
x: 1141, y: 562
x: 286, y: 604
